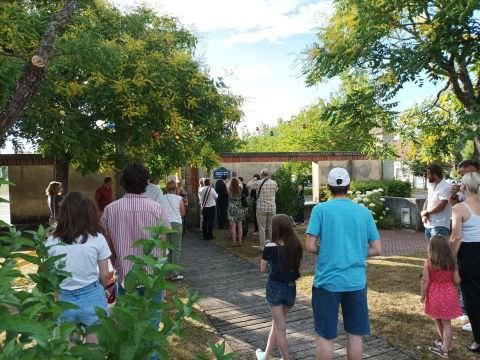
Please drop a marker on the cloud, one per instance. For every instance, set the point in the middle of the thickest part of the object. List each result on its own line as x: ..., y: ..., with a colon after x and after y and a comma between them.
x: 250, y: 21
x: 255, y: 71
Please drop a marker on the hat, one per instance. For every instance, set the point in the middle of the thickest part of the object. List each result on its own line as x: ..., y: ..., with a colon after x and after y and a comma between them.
x: 338, y: 177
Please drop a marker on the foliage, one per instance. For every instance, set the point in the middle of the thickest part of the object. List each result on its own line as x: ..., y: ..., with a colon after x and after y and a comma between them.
x: 286, y: 197
x: 402, y: 41
x: 396, y: 188
x: 372, y: 200
x: 303, y: 132
x: 30, y: 319
x: 124, y: 87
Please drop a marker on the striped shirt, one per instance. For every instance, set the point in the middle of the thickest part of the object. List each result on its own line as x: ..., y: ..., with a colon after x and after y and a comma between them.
x: 266, y: 200
x: 125, y: 221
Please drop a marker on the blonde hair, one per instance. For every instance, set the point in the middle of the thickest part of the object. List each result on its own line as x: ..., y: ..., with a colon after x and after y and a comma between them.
x: 171, y: 186
x: 53, y: 188
x: 234, y: 187
x: 472, y: 183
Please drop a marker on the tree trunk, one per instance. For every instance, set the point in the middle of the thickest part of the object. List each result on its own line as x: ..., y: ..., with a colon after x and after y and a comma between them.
x: 34, y: 70
x: 61, y: 172
x: 476, y: 147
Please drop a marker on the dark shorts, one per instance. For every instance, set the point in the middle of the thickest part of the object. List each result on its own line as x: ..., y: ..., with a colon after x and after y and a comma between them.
x: 281, y: 293
x: 354, y: 309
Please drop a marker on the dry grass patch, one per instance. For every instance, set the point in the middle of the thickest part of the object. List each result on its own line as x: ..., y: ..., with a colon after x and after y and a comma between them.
x: 396, y: 312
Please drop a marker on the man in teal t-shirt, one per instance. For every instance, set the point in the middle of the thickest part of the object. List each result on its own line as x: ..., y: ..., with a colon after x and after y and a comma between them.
x: 343, y: 234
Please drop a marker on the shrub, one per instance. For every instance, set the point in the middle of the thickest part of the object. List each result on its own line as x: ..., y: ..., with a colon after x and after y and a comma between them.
x: 373, y: 200
x: 286, y: 197
x: 395, y: 188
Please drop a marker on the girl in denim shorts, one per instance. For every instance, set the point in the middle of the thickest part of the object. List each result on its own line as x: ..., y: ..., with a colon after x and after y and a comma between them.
x: 282, y: 256
x: 78, y: 236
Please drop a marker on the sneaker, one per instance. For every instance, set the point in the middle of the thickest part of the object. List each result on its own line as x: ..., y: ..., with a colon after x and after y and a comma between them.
x: 260, y: 354
x: 177, y: 277
x: 438, y: 351
x: 467, y: 327
x: 464, y: 317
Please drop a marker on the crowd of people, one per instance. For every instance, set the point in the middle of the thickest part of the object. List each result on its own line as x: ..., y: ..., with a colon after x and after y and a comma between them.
x: 340, y: 232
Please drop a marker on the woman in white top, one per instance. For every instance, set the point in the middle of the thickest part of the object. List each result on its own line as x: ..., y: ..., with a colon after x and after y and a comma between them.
x: 465, y: 241
x: 78, y: 236
x: 175, y: 207
x: 208, y: 198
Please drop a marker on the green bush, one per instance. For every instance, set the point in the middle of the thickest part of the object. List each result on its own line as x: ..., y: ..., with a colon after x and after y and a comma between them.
x: 395, y: 188
x: 286, y: 197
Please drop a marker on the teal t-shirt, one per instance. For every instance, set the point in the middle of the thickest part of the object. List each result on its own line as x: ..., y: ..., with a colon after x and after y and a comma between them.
x: 345, y: 229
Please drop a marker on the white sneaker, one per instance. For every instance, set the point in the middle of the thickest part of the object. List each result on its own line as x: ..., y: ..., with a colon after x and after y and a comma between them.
x: 463, y: 318
x: 467, y: 327
x: 255, y: 233
x: 260, y: 354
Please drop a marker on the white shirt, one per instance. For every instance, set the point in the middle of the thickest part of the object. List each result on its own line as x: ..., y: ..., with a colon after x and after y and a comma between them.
x: 212, y: 196
x: 437, y: 193
x: 171, y: 203
x: 153, y: 192
x: 81, y: 260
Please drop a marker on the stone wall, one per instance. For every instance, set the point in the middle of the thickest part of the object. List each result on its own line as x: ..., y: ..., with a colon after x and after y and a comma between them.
x: 28, y: 202
x: 406, y: 211
x: 248, y: 169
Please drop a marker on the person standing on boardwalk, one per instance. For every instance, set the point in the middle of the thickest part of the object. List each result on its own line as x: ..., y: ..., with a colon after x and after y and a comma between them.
x: 436, y: 211
x: 222, y: 202
x: 103, y: 194
x: 342, y: 234
x: 465, y: 241
x: 282, y: 256
x: 245, y: 206
x: 266, y: 189
x: 236, y: 212
x: 253, y: 195
x: 208, y: 198
x: 175, y: 208
x: 126, y: 220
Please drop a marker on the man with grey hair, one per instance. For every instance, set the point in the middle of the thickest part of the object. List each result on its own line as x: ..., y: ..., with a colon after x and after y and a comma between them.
x: 266, y: 208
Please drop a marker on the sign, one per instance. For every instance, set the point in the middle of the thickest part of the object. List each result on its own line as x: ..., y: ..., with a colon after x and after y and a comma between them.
x: 220, y: 172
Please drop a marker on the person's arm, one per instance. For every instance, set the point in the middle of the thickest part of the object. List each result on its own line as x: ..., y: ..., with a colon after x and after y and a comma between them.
x: 424, y: 282
x: 456, y: 236
x: 214, y: 194
x: 424, y: 212
x: 263, y: 266
x: 374, y: 248
x: 182, y: 209
x: 312, y: 245
x: 437, y: 208
x: 456, y: 278
x: 108, y: 237
x: 104, y: 273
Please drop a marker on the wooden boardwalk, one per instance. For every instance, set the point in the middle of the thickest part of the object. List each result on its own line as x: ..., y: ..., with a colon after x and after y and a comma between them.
x: 233, y: 299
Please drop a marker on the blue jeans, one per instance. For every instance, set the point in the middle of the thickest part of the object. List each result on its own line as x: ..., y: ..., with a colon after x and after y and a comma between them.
x: 436, y: 230
x: 87, y: 299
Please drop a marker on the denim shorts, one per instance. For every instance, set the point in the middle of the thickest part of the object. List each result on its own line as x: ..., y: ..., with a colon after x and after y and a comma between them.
x: 281, y: 293
x: 354, y: 309
x: 87, y: 299
x: 437, y: 230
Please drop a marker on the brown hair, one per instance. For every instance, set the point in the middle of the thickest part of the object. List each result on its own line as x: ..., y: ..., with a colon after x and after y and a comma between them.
x: 53, y: 188
x: 77, y: 217
x: 171, y: 186
x: 282, y: 230
x: 440, y: 254
x: 234, y: 187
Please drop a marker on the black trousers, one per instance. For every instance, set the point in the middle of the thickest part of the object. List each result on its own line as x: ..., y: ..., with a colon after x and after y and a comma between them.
x: 469, y: 269
x: 255, y: 216
x: 208, y: 219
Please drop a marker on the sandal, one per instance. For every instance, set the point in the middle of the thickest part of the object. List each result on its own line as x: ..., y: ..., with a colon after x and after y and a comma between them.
x: 438, y: 351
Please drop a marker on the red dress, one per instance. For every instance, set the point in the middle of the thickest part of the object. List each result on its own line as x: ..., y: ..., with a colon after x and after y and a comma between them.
x: 442, y: 301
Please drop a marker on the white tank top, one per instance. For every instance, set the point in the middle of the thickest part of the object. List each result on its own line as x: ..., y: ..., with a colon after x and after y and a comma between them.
x: 471, y: 227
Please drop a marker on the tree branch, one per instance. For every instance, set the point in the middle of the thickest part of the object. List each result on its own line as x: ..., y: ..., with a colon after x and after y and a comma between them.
x: 34, y: 70
x: 447, y: 85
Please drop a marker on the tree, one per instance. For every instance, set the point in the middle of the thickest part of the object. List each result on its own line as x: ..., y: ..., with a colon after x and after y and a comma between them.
x: 401, y: 41
x: 127, y: 87
x: 34, y: 69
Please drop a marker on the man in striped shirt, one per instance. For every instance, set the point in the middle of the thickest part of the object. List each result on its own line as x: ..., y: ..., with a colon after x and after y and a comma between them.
x: 125, y: 221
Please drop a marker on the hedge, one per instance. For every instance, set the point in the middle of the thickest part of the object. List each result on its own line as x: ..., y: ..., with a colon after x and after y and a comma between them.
x: 395, y: 188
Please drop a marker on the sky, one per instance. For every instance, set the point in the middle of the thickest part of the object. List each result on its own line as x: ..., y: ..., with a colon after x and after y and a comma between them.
x: 256, y: 46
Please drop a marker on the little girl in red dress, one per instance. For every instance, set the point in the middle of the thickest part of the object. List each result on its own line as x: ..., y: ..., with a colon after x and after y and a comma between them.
x: 439, y: 284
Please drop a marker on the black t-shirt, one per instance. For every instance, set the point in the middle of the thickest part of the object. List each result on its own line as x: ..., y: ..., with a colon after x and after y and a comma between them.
x: 275, y: 256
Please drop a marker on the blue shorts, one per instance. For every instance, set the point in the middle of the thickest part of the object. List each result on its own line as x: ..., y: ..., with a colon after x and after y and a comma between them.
x: 437, y: 230
x: 280, y: 293
x: 354, y: 309
x: 87, y: 299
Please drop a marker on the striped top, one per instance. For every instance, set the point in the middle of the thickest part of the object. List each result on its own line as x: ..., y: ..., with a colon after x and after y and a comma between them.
x: 125, y: 221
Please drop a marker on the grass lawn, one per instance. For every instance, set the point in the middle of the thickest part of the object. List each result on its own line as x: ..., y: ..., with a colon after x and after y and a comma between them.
x: 396, y: 312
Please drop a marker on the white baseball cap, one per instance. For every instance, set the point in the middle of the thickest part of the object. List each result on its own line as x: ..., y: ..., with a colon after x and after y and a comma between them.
x: 338, y: 177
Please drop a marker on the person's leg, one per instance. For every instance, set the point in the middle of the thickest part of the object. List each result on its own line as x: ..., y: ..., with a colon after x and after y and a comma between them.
x: 354, y: 347
x: 324, y: 348
x: 439, y: 327
x: 176, y: 241
x: 233, y: 231
x: 268, y: 227
x: 261, y: 219
x: 204, y: 222
x: 428, y: 233
x: 239, y: 232
x: 447, y: 335
x: 280, y: 328
x: 210, y: 222
x: 271, y: 342
x: 255, y: 222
